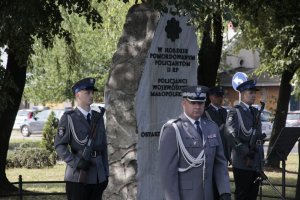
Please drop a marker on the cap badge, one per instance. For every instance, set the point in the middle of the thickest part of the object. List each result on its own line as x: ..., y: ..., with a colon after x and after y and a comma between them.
x: 198, y: 91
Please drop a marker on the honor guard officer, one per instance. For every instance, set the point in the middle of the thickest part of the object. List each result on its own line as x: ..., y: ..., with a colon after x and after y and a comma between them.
x: 81, y: 143
x: 240, y: 126
x: 191, y: 153
x: 215, y: 112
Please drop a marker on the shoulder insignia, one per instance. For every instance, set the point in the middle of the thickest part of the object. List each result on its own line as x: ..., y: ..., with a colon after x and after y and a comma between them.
x: 61, y: 131
x: 68, y: 112
x: 238, y: 106
x: 102, y: 111
x: 170, y: 121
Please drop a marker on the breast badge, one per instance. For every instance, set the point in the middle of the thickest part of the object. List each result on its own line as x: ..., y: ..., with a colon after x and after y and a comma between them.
x: 61, y: 131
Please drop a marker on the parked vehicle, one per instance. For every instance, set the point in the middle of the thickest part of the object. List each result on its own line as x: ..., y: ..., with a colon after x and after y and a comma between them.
x: 36, y: 124
x: 22, y: 115
x: 266, y: 123
x: 293, y: 119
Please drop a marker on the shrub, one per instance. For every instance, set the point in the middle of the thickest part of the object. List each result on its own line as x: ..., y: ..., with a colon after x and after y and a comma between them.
x: 49, y: 132
x: 31, y: 158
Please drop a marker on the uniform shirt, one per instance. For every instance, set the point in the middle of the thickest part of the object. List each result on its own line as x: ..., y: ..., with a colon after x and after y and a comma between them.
x: 84, y: 112
x: 193, y: 121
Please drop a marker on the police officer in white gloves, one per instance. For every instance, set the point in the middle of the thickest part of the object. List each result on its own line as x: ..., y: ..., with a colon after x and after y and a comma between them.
x: 191, y: 153
x: 81, y: 143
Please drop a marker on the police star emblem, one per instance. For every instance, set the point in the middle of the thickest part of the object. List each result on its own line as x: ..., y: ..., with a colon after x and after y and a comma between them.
x: 61, y: 131
x: 198, y: 91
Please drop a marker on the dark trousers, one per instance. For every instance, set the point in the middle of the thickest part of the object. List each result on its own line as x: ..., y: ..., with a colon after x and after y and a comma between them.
x: 80, y: 191
x: 246, y: 188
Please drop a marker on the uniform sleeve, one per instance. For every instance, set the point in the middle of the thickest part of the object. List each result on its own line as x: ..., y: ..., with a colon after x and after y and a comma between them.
x: 220, y: 168
x: 168, y: 164
x: 61, y: 142
x: 232, y: 129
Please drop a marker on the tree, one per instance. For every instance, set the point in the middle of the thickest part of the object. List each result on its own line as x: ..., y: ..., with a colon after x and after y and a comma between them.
x: 88, y: 55
x: 274, y: 30
x: 21, y: 22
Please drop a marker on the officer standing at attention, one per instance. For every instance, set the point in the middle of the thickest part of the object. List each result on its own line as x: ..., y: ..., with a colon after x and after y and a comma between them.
x: 191, y: 153
x: 215, y: 112
x: 240, y: 125
x: 81, y: 143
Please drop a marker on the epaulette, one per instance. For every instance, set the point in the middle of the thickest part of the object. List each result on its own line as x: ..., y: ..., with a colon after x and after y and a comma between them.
x: 237, y: 106
x: 205, y: 118
x: 68, y: 112
x: 102, y: 111
x: 170, y: 121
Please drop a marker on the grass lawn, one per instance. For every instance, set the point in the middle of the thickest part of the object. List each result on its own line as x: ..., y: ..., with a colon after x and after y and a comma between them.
x: 47, y: 174
x: 276, y: 178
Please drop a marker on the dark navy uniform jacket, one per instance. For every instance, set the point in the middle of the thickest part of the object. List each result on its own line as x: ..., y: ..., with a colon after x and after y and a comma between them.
x: 240, y: 139
x: 70, y: 147
x: 219, y: 117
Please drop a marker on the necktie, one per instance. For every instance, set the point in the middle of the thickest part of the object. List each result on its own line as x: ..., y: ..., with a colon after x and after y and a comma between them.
x: 221, y: 115
x: 252, y: 111
x: 88, y: 118
x: 198, y: 128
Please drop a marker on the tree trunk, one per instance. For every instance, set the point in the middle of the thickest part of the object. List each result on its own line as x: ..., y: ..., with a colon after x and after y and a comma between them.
x: 210, y: 51
x: 17, y: 74
x: 280, y: 116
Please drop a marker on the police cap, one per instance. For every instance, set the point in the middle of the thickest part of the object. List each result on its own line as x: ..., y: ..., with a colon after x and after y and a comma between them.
x: 218, y: 91
x: 195, y: 93
x: 84, y: 84
x: 247, y: 85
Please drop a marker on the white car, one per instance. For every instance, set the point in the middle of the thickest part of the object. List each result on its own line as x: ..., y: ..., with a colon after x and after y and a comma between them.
x: 22, y: 115
x: 293, y: 119
x: 266, y: 123
x: 36, y: 124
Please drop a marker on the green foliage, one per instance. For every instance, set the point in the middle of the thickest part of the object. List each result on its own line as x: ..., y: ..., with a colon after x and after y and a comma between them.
x: 19, y: 143
x: 274, y: 29
x: 30, y: 158
x: 49, y: 132
x: 22, y: 22
x: 87, y: 55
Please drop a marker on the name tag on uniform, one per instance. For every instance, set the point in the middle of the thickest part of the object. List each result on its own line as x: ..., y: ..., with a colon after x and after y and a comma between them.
x: 212, y: 136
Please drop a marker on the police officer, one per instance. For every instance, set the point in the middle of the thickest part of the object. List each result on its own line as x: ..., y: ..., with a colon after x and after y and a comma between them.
x: 191, y: 153
x: 81, y: 143
x: 245, y: 160
x: 215, y: 112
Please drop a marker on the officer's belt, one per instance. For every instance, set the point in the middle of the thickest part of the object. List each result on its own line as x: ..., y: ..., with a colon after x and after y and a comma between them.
x: 94, y: 153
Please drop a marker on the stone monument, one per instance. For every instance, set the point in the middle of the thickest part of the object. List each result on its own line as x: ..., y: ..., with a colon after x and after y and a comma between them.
x: 156, y: 58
